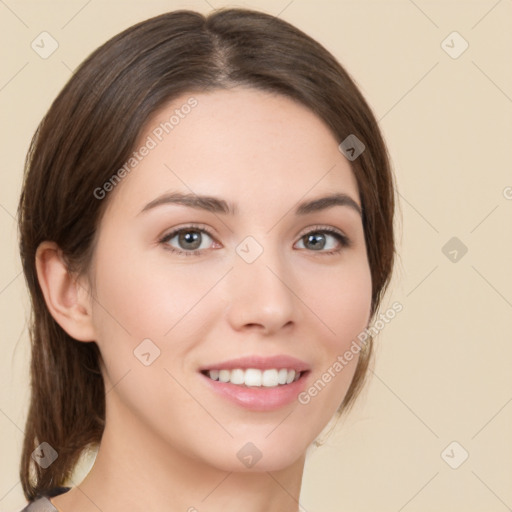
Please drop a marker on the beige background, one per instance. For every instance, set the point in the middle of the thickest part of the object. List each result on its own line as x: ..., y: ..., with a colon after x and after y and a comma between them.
x: 442, y: 369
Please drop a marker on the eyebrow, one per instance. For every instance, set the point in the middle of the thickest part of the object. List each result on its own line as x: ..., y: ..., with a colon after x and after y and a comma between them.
x: 217, y: 205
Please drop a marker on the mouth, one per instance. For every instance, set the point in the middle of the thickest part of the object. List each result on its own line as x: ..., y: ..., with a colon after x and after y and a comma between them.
x: 258, y: 383
x: 254, y: 377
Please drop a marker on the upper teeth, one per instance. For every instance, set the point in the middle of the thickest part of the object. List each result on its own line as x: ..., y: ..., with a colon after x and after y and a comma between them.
x: 255, y: 377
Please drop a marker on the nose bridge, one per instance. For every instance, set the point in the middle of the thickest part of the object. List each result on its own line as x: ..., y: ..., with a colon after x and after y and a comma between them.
x: 260, y: 291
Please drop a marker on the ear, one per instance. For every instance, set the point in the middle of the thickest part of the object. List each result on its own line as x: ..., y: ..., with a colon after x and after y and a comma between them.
x: 68, y: 300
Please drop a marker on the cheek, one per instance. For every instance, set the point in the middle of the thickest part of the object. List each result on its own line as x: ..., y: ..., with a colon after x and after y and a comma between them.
x: 341, y: 298
x: 138, y: 301
x: 343, y: 302
x: 146, y: 297
x: 140, y: 297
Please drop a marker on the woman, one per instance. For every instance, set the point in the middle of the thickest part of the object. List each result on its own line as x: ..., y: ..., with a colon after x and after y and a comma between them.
x: 206, y: 230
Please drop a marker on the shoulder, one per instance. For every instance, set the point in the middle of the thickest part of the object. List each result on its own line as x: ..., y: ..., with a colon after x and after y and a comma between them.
x: 42, y: 503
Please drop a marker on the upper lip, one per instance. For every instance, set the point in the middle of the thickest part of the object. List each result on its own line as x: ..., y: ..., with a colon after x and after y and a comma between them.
x: 261, y: 363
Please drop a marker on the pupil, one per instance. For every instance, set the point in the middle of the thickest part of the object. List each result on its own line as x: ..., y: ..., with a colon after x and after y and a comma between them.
x: 190, y: 237
x: 316, y: 241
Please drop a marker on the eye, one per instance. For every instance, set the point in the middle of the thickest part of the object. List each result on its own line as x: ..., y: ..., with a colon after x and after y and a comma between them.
x: 324, y: 240
x: 189, y: 240
x: 193, y: 240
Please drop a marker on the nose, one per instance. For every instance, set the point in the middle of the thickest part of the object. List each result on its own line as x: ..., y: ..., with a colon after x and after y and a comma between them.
x: 260, y: 294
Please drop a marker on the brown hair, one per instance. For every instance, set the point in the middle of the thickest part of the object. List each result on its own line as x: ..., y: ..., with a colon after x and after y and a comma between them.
x: 88, y: 134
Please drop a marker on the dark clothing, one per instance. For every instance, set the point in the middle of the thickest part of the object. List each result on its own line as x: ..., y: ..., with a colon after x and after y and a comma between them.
x: 42, y: 503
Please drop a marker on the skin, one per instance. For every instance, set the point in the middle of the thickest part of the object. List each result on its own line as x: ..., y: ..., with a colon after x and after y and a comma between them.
x: 170, y: 443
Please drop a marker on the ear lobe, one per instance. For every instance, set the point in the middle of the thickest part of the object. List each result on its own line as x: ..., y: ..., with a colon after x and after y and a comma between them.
x: 67, y: 300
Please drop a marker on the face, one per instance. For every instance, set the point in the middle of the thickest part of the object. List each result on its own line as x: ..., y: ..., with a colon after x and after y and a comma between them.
x: 215, y: 315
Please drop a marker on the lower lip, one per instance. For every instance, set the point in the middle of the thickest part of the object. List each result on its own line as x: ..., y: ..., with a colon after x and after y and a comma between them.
x: 258, y: 398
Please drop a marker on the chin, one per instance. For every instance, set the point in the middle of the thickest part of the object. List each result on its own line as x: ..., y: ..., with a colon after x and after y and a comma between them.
x: 259, y: 454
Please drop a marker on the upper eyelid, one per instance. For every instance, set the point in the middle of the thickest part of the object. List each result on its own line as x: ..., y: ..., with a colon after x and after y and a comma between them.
x: 173, y: 232
x: 320, y: 228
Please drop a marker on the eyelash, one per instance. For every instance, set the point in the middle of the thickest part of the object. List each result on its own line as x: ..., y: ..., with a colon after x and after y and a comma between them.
x: 342, y: 239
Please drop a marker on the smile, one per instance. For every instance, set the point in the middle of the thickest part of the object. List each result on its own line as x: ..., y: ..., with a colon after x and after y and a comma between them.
x: 254, y: 377
x: 256, y: 382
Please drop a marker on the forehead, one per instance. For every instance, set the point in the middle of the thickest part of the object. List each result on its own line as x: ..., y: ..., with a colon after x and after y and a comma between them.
x: 245, y: 145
